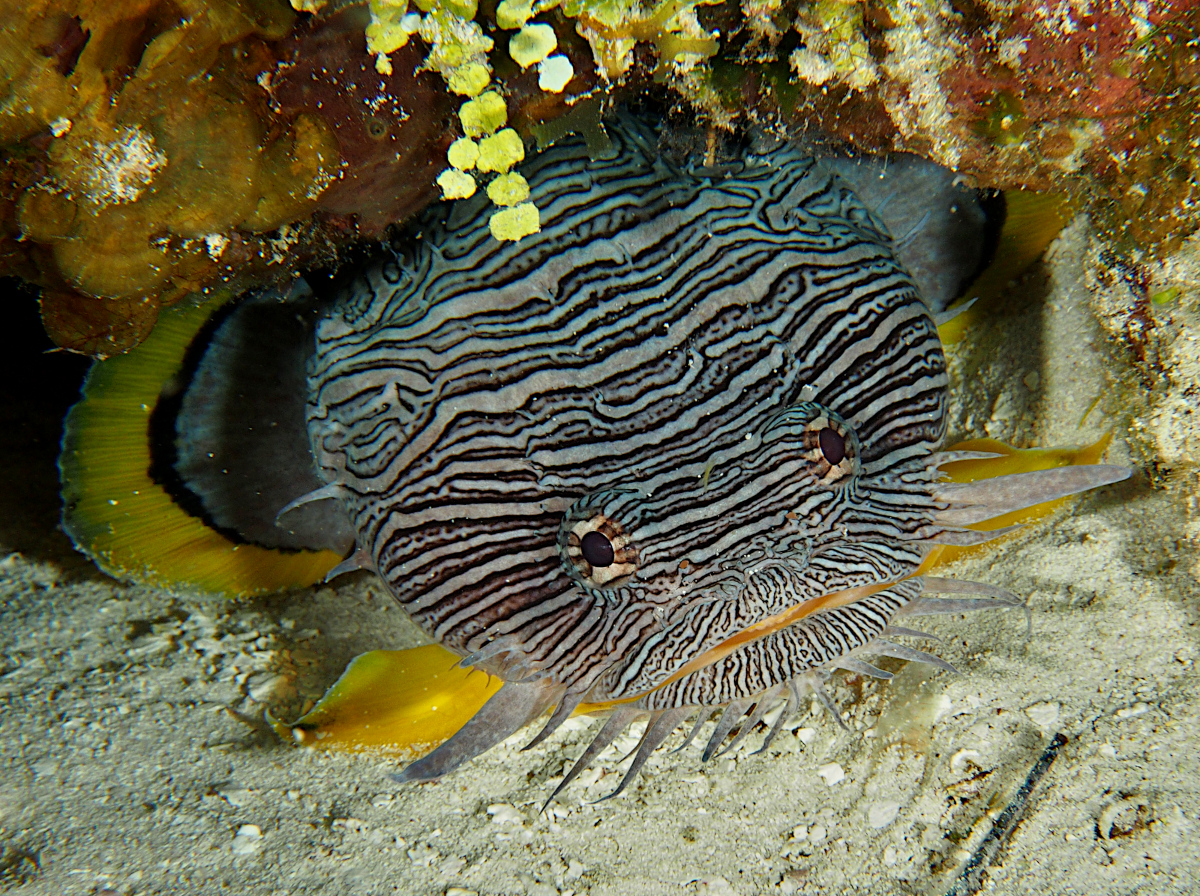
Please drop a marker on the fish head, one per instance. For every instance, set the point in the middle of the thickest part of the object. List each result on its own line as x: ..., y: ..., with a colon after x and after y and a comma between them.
x: 781, y: 516
x: 686, y: 410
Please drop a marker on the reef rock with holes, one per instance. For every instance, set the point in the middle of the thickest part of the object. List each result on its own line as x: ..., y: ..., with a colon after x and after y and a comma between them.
x: 155, y: 149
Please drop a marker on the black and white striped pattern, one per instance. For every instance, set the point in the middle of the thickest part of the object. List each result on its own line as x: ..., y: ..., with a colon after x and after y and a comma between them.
x: 814, y: 643
x: 652, y: 357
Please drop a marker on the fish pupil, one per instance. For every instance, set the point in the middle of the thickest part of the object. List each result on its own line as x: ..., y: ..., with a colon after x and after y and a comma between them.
x: 597, y: 550
x: 833, y: 446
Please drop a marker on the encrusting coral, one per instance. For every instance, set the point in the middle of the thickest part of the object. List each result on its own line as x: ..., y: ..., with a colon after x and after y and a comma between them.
x: 151, y: 149
x: 159, y: 148
x: 1099, y: 100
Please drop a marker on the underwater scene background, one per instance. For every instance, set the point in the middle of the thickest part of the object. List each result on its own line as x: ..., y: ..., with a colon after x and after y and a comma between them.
x: 161, y: 158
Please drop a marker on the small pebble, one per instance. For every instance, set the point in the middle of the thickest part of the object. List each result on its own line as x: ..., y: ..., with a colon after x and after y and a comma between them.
x: 247, y: 840
x: 715, y: 886
x: 832, y: 773
x: 502, y: 813
x: 452, y: 865
x: 1044, y: 715
x: 423, y: 855
x: 554, y: 73
x: 883, y: 813
x: 964, y: 759
x: 1132, y: 712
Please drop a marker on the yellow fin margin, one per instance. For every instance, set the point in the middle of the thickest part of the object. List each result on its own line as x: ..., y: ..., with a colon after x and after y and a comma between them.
x: 120, y: 517
x: 398, y: 701
x: 1009, y: 460
x: 1031, y: 222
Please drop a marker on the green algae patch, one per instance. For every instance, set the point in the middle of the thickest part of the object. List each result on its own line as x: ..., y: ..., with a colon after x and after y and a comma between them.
x: 1004, y: 121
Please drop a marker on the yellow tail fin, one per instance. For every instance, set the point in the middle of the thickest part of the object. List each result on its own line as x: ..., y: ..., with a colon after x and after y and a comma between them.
x: 124, y: 520
x: 1031, y: 222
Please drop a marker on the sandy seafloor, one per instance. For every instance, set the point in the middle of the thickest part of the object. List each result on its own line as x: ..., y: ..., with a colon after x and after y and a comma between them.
x: 133, y: 758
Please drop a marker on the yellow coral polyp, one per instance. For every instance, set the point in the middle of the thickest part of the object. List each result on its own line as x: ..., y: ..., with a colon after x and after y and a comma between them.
x: 516, y: 222
x: 454, y: 41
x: 835, y: 46
x: 614, y: 28
x: 456, y: 184
x: 389, y: 30
x: 385, y: 37
x: 465, y: 9
x: 469, y: 79
x: 500, y: 151
x: 511, y: 14
x: 508, y: 189
x: 532, y: 44
x: 463, y: 154
x: 483, y: 115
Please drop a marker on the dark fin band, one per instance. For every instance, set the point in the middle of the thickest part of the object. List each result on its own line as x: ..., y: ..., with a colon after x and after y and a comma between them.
x: 124, y: 520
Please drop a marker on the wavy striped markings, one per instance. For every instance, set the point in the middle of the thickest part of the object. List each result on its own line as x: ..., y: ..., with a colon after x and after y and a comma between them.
x: 626, y: 370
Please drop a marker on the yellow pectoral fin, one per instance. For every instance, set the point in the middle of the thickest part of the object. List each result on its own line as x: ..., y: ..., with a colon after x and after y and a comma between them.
x: 397, y: 701
x: 1009, y: 460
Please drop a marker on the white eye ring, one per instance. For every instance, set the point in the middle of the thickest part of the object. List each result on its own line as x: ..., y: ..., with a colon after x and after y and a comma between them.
x: 831, y: 448
x: 594, y: 539
x: 824, y: 439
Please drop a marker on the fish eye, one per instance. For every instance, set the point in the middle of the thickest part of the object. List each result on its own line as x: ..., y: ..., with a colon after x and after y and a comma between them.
x: 828, y: 441
x: 833, y: 446
x: 597, y: 550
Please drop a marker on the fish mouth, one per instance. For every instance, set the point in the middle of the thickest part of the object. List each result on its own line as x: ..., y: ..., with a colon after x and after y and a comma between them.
x: 761, y: 629
x: 967, y: 510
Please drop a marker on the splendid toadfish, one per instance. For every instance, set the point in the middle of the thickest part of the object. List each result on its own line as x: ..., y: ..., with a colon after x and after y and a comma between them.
x: 677, y: 452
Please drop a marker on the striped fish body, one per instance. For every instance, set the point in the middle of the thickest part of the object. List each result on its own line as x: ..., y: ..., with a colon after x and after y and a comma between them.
x: 678, y: 451
x: 691, y: 403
